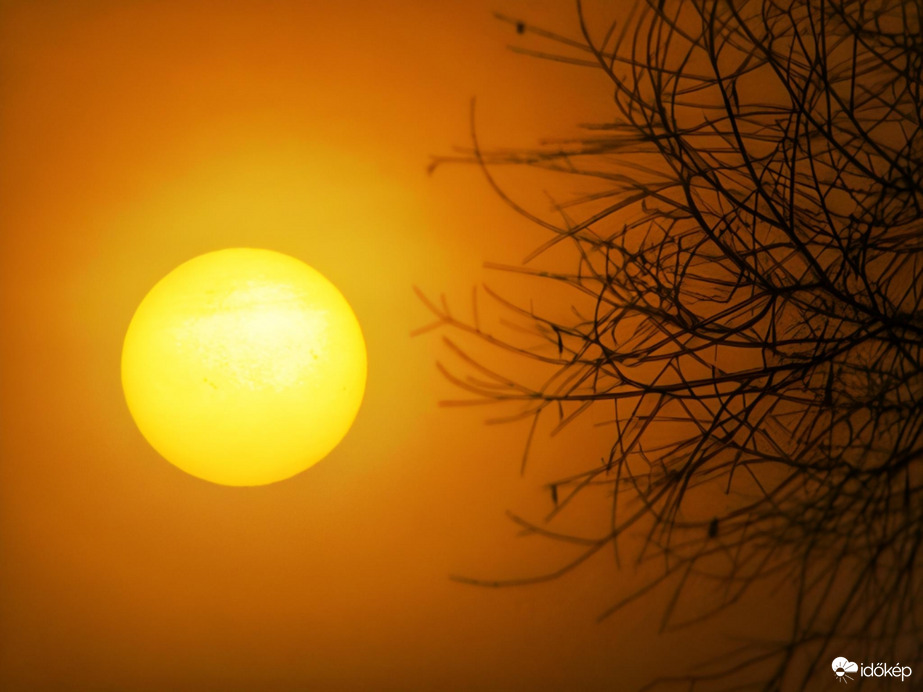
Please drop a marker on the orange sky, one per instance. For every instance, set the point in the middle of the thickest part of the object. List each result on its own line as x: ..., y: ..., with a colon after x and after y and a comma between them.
x: 136, y: 135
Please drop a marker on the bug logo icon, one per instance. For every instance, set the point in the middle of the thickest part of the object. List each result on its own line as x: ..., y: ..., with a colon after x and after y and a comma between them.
x: 842, y: 667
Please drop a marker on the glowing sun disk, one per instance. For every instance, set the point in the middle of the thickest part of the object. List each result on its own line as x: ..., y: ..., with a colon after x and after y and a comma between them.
x: 244, y: 366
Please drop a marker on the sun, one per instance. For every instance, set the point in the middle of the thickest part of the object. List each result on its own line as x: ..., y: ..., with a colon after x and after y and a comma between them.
x: 244, y: 366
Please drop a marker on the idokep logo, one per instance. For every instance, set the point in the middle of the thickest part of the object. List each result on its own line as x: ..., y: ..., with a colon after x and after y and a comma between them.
x: 843, y: 667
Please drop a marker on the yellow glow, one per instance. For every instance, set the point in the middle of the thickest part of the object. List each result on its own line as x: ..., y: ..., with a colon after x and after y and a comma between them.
x: 244, y: 367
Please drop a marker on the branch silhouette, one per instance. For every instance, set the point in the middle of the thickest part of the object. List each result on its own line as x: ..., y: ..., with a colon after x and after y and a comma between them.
x: 746, y: 278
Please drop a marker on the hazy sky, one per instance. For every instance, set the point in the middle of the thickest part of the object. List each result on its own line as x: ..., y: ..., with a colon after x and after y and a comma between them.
x: 136, y: 135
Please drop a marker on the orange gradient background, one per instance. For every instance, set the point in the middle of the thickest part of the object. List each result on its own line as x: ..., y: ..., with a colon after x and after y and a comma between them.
x: 137, y: 135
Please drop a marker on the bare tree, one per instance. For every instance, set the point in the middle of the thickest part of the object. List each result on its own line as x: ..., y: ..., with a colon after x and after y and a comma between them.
x: 747, y: 277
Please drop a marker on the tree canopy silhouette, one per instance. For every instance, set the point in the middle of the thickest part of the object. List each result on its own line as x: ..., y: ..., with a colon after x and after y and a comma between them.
x: 747, y: 276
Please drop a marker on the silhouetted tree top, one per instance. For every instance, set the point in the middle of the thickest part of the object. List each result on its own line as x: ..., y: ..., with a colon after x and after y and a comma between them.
x: 746, y: 277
